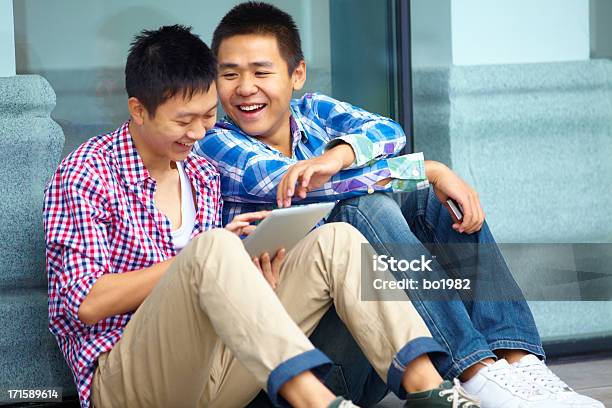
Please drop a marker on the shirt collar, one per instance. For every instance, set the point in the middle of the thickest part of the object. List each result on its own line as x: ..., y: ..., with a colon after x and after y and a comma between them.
x: 198, y: 168
x: 296, y: 125
x: 126, y: 157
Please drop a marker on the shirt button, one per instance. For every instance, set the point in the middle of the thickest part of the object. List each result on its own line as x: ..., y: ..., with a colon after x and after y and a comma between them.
x: 415, y: 173
x: 370, y: 189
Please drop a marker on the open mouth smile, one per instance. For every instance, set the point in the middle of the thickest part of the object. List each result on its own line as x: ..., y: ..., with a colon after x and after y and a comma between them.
x: 251, y: 108
x: 185, y: 144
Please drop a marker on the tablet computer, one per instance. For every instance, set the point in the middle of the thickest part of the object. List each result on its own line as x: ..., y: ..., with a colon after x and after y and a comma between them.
x: 284, y: 227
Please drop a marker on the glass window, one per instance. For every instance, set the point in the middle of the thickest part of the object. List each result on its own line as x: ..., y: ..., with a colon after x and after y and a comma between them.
x: 535, y: 140
x: 81, y: 47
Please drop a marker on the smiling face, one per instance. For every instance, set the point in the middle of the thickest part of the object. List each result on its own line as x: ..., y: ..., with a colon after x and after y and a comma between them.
x: 178, y: 123
x: 255, y: 87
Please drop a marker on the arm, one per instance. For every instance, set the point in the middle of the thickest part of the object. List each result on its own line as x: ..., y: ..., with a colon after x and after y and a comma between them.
x: 252, y: 172
x: 372, y: 137
x: 119, y: 293
x: 76, y: 221
x: 114, y: 294
x: 447, y: 184
x: 309, y: 177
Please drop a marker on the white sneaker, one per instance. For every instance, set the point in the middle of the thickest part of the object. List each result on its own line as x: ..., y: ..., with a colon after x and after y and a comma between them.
x: 499, y: 385
x: 535, y: 371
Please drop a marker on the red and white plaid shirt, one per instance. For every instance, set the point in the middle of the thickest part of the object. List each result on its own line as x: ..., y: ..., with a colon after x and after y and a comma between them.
x: 100, y: 217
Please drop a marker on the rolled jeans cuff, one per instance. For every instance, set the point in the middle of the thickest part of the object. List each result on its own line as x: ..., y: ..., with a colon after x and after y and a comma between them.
x: 409, y: 352
x: 532, y: 348
x: 313, y: 360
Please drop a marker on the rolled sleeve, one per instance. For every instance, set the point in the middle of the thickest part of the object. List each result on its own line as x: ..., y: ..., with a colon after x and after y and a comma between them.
x: 372, y: 137
x: 367, y: 151
x: 76, y: 222
x: 408, y: 173
x: 76, y: 290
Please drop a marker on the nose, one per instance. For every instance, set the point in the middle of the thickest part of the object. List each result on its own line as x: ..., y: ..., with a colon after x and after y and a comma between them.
x: 197, y: 130
x: 246, y: 86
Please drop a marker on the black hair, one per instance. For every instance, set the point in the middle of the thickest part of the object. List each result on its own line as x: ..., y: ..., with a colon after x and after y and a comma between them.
x: 165, y: 62
x: 256, y: 17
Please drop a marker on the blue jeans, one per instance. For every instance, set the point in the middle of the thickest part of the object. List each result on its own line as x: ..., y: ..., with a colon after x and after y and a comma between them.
x: 468, y: 330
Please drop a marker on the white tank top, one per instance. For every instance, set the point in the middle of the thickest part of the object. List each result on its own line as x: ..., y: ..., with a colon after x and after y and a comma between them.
x: 181, y: 236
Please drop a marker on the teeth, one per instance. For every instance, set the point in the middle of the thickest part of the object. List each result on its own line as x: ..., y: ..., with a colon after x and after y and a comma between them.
x: 250, y: 107
x: 186, y: 144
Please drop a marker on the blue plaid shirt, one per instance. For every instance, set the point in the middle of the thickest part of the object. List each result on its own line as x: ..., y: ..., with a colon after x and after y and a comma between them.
x: 251, y: 170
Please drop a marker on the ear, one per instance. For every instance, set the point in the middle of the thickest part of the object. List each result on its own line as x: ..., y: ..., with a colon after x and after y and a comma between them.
x: 137, y: 111
x: 299, y: 76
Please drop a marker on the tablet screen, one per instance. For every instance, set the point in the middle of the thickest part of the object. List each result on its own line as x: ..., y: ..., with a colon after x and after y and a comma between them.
x: 285, y: 227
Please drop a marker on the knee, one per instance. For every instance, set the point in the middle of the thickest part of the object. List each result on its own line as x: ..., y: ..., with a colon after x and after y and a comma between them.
x: 218, y: 239
x: 368, y: 208
x: 371, y: 201
x: 342, y: 235
x: 207, y: 251
x: 341, y: 228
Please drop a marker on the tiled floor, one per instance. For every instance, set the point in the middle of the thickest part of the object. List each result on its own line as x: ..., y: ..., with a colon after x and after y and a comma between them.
x: 591, y: 376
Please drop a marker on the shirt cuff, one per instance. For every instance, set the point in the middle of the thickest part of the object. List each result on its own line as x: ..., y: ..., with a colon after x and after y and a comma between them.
x: 408, y: 173
x: 76, y: 292
x: 365, y: 150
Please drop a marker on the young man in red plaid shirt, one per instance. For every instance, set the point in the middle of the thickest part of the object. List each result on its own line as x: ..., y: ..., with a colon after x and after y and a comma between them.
x: 153, y: 304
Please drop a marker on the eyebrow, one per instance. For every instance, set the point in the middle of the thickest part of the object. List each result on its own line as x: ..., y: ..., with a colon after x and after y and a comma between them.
x: 262, y: 64
x: 183, y: 114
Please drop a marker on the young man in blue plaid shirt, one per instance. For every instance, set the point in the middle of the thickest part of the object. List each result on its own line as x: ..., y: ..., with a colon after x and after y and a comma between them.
x: 271, y: 150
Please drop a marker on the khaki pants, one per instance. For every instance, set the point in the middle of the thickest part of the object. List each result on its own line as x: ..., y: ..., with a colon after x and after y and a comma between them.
x: 213, y: 314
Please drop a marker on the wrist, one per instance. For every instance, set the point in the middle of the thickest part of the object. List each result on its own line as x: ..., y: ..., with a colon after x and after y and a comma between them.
x: 433, y: 170
x: 343, y: 153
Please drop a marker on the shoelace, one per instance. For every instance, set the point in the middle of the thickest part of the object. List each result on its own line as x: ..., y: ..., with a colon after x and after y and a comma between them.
x: 459, y: 397
x: 515, y: 382
x: 543, y: 375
